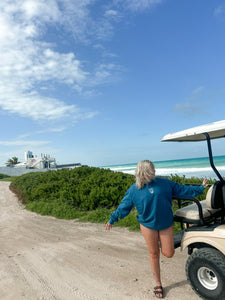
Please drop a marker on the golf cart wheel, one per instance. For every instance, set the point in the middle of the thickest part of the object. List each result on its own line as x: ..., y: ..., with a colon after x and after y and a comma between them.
x: 205, y: 270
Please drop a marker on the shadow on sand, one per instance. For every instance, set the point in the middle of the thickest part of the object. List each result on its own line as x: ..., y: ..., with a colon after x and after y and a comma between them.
x: 174, y: 285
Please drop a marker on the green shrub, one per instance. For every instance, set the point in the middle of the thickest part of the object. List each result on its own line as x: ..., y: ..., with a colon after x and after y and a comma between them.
x: 85, y: 188
x: 3, y: 176
x: 87, y: 193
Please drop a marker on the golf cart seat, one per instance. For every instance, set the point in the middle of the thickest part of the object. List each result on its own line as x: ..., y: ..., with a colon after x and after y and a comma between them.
x: 208, y: 210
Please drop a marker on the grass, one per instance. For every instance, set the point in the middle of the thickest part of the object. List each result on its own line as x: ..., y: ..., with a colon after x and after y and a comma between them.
x: 100, y: 215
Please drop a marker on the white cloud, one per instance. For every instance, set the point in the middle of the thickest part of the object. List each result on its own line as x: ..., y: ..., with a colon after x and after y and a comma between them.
x: 138, y: 5
x: 46, y: 10
x: 27, y: 135
x: 198, y: 90
x: 31, y: 143
x: 193, y: 105
x: 219, y: 10
x: 55, y: 129
x: 58, y: 66
x: 36, y: 107
x: 111, y: 13
x: 89, y: 115
x: 188, y: 109
x: 30, y: 64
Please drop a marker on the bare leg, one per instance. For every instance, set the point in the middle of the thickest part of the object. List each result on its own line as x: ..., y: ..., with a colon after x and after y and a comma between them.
x: 166, y: 238
x: 152, y: 240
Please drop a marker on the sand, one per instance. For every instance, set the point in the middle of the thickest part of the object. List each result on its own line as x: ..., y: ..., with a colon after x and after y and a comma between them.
x: 46, y: 258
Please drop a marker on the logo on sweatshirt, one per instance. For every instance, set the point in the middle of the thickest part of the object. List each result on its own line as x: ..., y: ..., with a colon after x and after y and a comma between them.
x: 151, y: 191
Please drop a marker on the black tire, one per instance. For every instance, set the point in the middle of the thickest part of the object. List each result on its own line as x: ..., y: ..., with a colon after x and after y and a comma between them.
x: 205, y: 270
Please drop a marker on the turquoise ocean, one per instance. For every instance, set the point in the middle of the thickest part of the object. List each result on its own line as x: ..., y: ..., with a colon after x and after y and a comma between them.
x: 197, y: 167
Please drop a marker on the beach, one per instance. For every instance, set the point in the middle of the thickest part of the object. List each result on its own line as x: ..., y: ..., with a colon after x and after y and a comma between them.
x: 45, y: 258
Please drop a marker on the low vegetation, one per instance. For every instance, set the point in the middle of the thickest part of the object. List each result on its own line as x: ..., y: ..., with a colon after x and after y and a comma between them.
x: 86, y: 193
x: 4, y: 177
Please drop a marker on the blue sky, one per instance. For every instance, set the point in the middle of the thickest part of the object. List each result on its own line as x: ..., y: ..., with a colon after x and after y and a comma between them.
x: 101, y: 82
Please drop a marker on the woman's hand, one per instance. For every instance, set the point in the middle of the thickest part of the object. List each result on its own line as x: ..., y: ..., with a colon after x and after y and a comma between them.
x: 108, y: 226
x: 204, y: 182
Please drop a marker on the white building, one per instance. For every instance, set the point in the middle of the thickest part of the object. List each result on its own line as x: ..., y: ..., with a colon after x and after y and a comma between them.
x: 34, y: 162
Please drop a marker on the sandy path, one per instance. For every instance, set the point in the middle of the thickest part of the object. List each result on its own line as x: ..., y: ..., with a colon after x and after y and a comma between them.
x: 46, y: 258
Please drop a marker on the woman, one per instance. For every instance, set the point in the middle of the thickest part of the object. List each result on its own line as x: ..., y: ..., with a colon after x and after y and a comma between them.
x: 152, y: 198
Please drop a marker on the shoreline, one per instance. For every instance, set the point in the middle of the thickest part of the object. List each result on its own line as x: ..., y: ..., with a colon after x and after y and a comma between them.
x: 209, y: 174
x: 189, y: 167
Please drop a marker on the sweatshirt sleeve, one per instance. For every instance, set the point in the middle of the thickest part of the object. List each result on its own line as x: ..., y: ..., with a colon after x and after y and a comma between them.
x: 182, y: 190
x: 123, y: 209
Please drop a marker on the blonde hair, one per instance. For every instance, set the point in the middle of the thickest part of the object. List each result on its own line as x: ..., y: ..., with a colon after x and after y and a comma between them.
x: 144, y: 173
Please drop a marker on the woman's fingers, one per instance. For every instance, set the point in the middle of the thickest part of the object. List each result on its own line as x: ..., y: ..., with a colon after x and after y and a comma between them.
x: 108, y: 226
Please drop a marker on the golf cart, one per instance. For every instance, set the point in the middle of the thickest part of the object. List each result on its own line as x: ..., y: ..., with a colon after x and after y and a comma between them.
x: 202, y: 222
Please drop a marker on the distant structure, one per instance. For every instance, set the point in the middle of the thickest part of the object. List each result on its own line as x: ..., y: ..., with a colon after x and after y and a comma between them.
x: 36, y: 164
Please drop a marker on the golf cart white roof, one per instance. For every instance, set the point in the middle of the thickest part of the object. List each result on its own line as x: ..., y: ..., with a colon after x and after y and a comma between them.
x: 215, y: 130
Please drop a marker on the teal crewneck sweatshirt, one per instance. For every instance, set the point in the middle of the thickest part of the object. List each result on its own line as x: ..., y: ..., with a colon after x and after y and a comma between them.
x: 154, y: 202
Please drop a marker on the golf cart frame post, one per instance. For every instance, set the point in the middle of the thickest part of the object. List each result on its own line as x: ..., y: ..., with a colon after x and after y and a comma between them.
x: 213, y: 166
x: 211, y: 158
